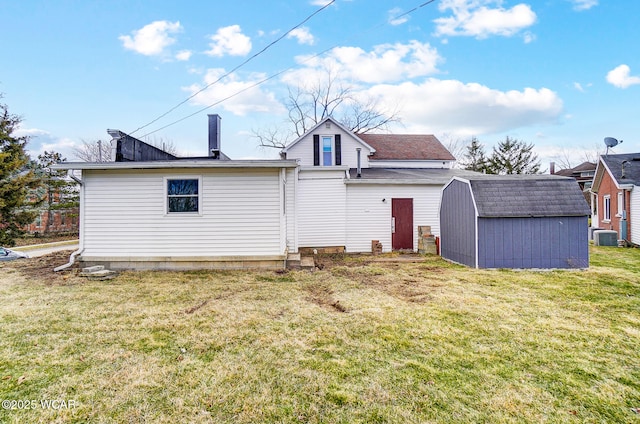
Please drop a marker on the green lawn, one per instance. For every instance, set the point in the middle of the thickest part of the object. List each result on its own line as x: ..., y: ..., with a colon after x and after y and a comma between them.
x: 358, y: 341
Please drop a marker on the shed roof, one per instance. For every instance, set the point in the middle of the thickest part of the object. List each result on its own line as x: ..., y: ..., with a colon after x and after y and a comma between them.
x: 510, y: 196
x: 406, y: 147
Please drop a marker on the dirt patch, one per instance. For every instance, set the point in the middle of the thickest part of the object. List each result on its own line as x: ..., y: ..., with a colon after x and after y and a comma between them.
x: 41, y: 268
x: 323, y: 295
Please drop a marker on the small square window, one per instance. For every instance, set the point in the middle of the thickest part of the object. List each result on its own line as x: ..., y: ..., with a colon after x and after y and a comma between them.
x: 182, y: 195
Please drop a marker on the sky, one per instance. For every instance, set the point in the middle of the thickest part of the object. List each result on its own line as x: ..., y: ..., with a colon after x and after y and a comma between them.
x: 559, y: 74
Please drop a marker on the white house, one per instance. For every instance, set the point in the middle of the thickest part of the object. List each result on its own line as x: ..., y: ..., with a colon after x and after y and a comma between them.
x: 332, y: 188
x: 355, y: 188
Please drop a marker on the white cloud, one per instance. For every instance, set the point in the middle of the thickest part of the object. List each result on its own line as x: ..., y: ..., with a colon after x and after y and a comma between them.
x: 229, y: 40
x: 529, y: 37
x: 320, y: 2
x: 41, y: 141
x: 578, y: 87
x: 302, y: 35
x: 621, y: 78
x: 396, y: 11
x: 250, y: 99
x: 474, y: 18
x: 436, y: 106
x: 152, y: 39
x: 385, y: 63
x: 184, y: 55
x: 580, y: 5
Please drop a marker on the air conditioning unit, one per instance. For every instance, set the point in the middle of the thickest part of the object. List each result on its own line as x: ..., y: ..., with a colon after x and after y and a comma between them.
x: 605, y: 238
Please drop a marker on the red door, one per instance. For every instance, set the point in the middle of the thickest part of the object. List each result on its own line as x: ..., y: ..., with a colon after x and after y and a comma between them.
x: 402, y: 224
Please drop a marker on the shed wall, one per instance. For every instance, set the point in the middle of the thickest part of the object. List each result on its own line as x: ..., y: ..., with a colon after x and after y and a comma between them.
x: 458, y: 224
x: 551, y: 242
x: 124, y: 214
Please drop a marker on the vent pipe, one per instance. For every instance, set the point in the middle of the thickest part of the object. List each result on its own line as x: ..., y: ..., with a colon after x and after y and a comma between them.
x: 359, y: 171
x: 214, y: 136
x: 623, y: 172
x: 552, y: 168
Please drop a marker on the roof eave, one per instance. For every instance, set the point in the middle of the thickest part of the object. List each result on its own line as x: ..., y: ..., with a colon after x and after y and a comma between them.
x: 175, y: 164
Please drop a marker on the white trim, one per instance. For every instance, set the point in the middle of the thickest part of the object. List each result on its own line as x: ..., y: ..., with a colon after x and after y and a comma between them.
x: 179, y: 163
x: 607, y: 210
x: 166, y: 179
x: 312, y: 129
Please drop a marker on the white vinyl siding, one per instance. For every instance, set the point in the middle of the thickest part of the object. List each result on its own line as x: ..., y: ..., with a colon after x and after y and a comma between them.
x: 369, y: 218
x: 303, y: 150
x: 321, y: 208
x: 634, y: 215
x: 124, y: 214
x: 291, y: 213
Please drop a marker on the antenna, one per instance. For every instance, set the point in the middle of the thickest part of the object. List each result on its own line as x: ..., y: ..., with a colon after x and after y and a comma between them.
x: 611, y: 142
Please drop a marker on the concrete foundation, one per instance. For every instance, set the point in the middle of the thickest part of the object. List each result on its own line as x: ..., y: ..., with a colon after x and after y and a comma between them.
x: 186, y: 263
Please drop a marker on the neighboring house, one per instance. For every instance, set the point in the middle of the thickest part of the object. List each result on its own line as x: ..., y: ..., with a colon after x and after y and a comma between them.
x: 514, y: 221
x: 332, y: 188
x: 582, y: 173
x: 616, y: 197
x: 52, y: 218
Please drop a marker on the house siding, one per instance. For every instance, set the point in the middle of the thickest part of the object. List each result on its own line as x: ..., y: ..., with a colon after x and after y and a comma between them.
x: 322, y: 199
x: 369, y: 218
x: 458, y: 224
x: 124, y: 213
x: 634, y: 215
x: 303, y: 149
x: 550, y: 242
x: 608, y: 187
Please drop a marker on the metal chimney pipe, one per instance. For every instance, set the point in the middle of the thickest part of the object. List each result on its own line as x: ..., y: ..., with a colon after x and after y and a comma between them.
x: 214, y: 136
x: 552, y: 168
x: 359, y: 171
x: 622, y: 171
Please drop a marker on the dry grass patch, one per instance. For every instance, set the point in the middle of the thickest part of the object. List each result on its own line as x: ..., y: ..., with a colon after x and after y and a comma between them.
x: 359, y: 341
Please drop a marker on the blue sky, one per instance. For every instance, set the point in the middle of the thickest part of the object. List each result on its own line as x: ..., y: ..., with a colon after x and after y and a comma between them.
x: 561, y: 74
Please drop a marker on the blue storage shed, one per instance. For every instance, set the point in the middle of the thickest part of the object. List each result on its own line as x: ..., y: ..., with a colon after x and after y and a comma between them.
x: 514, y: 221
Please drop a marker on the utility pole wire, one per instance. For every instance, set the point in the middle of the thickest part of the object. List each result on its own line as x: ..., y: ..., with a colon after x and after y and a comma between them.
x: 265, y: 79
x: 236, y: 68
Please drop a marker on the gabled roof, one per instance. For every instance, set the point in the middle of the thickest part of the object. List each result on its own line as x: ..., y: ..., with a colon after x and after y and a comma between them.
x: 511, y: 196
x: 613, y: 164
x: 575, y: 172
x: 406, y: 147
x: 336, y: 123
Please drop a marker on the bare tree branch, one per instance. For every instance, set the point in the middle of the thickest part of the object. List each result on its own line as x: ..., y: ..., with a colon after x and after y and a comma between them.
x: 309, y: 105
x: 93, y: 151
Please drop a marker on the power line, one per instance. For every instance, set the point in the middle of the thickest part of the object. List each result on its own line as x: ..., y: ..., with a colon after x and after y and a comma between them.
x: 265, y: 79
x: 236, y: 68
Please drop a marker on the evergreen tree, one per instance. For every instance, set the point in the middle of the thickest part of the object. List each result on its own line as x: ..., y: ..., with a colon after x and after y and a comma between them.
x: 60, y: 192
x: 475, y: 158
x: 513, y: 156
x: 16, y: 180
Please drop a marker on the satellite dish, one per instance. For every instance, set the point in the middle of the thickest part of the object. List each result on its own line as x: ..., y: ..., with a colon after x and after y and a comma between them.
x: 611, y: 142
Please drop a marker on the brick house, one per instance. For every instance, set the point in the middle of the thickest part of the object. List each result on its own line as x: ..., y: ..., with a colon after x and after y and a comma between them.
x: 616, y: 195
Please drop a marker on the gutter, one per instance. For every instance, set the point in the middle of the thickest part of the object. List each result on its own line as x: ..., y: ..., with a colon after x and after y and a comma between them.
x: 72, y: 258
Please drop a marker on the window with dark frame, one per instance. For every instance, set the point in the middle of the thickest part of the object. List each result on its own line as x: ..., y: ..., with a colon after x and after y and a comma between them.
x: 182, y: 195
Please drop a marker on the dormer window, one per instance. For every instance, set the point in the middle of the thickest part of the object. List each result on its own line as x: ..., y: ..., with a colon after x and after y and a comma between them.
x: 327, y: 150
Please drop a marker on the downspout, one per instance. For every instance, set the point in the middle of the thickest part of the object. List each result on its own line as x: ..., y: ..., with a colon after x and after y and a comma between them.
x: 72, y: 258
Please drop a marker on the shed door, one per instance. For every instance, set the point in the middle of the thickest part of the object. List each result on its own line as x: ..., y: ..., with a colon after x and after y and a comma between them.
x: 402, y: 224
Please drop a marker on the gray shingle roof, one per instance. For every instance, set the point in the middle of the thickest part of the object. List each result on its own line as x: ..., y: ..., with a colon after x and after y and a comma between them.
x: 499, y: 196
x: 631, y: 167
x: 439, y: 176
